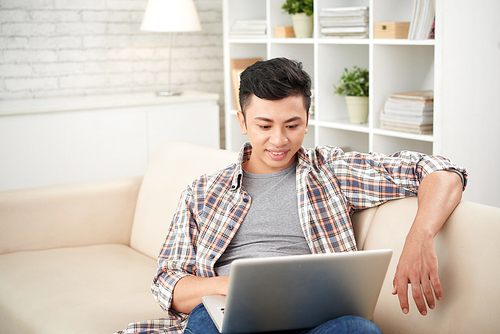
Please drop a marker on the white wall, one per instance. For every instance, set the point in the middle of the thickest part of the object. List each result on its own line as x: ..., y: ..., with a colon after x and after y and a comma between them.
x: 52, y: 48
x: 471, y: 94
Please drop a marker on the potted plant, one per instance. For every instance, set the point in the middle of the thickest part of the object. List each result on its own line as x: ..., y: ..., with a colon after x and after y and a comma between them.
x: 302, y: 16
x: 354, y: 85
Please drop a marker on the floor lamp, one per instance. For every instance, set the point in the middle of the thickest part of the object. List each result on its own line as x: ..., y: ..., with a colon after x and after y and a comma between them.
x: 170, y: 16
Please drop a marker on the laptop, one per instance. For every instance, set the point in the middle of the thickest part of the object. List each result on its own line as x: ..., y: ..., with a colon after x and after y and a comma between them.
x: 298, y: 291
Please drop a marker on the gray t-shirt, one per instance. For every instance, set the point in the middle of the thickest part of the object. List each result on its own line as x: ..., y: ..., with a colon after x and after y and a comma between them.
x: 271, y: 226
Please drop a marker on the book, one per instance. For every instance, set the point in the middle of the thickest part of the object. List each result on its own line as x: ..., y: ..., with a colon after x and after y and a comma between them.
x: 420, y: 96
x: 409, y: 112
x: 344, y: 22
x: 343, y: 29
x: 248, y: 29
x: 346, y: 35
x: 408, y: 106
x: 406, y: 118
x: 422, y: 21
x: 344, y: 11
x: 406, y: 127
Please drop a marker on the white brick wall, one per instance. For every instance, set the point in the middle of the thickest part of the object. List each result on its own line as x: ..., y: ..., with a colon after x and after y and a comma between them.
x: 51, y: 48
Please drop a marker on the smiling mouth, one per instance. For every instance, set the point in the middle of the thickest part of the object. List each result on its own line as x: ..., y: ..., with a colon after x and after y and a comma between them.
x: 277, y: 155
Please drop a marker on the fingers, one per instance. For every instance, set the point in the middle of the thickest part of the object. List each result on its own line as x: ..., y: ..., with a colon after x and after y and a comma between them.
x: 423, y: 292
x: 428, y: 294
x: 402, y: 290
x: 418, y: 297
x: 436, y: 285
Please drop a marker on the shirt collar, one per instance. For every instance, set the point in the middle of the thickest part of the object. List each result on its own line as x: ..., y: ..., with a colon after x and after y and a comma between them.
x: 303, y: 161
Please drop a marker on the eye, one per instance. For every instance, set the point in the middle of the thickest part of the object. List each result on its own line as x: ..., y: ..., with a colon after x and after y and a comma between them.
x: 264, y: 127
x: 292, y: 126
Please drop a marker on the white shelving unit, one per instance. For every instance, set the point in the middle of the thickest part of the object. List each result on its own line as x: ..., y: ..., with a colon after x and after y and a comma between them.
x: 395, y: 65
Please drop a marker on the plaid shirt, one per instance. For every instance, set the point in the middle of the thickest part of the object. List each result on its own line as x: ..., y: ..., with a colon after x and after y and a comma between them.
x: 331, y: 185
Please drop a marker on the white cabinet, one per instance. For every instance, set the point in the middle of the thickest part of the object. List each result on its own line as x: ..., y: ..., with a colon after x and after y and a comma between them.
x: 395, y: 65
x: 63, y: 140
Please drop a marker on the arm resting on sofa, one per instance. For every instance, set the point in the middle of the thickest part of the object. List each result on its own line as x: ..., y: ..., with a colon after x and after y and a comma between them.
x: 68, y: 215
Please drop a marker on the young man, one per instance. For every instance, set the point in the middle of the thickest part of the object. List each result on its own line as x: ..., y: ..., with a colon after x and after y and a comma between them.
x: 281, y: 199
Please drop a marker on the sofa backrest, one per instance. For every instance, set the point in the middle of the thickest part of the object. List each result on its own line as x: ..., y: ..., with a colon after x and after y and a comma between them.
x: 467, y: 248
x: 173, y: 166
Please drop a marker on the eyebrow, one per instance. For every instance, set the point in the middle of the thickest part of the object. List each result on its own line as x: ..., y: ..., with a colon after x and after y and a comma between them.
x: 265, y: 119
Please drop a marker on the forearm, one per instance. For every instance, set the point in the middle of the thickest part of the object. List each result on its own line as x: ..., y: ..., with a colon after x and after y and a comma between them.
x: 438, y: 195
x: 190, y: 289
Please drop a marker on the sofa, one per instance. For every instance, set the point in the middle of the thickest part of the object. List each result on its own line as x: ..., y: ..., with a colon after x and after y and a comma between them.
x: 80, y: 258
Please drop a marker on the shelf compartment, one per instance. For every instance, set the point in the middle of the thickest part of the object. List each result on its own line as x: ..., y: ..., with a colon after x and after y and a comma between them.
x: 248, y: 50
x: 343, y: 41
x: 246, y: 10
x: 332, y: 60
x: 347, y: 140
x: 423, y: 42
x: 388, y: 144
x: 391, y: 11
x: 302, y: 41
x: 399, y: 134
x: 397, y: 69
x: 262, y: 40
x: 344, y: 124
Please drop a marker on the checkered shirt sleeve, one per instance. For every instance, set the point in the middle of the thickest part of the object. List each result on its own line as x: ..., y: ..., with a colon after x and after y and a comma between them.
x: 368, y: 180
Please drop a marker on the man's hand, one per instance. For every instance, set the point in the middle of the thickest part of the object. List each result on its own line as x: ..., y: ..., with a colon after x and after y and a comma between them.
x: 190, y: 289
x: 438, y: 195
x: 418, y: 265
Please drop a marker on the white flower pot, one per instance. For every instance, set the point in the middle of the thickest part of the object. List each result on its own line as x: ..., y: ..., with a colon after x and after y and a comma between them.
x: 302, y: 25
x: 357, y: 106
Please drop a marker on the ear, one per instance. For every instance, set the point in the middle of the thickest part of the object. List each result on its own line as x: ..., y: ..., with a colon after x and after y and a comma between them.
x: 307, y: 121
x: 241, y: 119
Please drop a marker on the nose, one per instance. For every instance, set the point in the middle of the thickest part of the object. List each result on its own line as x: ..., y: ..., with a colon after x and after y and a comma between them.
x: 278, y: 137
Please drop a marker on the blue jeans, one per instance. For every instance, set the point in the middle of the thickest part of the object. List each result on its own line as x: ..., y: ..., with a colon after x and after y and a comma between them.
x: 200, y: 323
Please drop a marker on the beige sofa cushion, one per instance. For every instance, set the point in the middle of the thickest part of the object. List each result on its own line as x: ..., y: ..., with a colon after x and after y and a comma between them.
x: 92, y: 289
x: 172, y: 168
x: 468, y: 260
x: 67, y: 215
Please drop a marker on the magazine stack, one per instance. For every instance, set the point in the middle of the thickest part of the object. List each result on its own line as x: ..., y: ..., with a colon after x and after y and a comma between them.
x: 248, y: 29
x: 344, y: 22
x: 409, y: 112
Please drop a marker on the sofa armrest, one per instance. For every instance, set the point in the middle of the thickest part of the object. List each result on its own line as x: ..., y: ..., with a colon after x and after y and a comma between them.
x: 467, y: 248
x: 68, y: 215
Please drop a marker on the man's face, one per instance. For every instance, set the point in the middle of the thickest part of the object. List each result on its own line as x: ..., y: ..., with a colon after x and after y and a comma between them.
x: 276, y: 130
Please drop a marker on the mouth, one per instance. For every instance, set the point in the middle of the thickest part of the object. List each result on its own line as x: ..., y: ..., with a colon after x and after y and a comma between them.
x: 277, y: 154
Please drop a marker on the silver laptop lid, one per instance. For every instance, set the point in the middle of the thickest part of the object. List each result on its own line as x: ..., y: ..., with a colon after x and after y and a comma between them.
x: 303, y: 291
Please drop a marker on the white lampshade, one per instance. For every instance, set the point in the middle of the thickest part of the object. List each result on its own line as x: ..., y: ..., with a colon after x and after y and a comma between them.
x: 170, y: 16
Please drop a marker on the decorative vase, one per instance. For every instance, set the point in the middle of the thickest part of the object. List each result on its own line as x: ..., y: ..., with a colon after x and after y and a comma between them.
x: 357, y: 106
x: 302, y: 25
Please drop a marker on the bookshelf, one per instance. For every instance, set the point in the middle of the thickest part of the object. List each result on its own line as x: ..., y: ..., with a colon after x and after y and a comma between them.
x: 395, y: 65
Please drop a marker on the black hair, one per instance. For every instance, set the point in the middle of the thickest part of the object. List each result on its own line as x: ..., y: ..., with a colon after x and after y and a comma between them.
x: 274, y: 79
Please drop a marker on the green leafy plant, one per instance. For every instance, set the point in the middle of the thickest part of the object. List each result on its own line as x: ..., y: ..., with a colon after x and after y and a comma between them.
x: 298, y: 6
x: 354, y: 82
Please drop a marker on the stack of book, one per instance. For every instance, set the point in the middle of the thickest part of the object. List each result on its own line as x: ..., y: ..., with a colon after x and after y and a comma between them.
x: 409, y: 112
x: 422, y: 21
x: 248, y: 29
x: 344, y: 22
